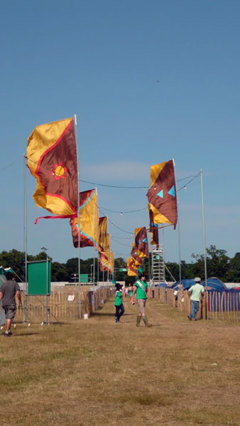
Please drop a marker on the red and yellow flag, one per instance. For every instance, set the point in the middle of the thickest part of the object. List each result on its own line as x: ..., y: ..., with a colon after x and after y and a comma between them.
x: 162, y: 194
x: 153, y: 229
x: 103, y: 260
x: 135, y: 254
x: 132, y: 267
x: 141, y: 242
x: 85, y: 226
x: 102, y: 233
x: 111, y: 262
x: 52, y: 160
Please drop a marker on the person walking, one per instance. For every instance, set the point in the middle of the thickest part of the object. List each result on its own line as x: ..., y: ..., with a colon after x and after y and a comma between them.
x: 119, y: 308
x: 140, y: 290
x: 8, y: 291
x: 196, y: 293
x: 130, y: 292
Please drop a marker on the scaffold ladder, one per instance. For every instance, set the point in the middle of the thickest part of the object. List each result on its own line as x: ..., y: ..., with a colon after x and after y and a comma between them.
x: 158, y: 266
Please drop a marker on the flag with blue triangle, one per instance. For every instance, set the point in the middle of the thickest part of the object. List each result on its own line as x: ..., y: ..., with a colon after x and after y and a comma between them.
x: 141, y: 242
x: 162, y: 195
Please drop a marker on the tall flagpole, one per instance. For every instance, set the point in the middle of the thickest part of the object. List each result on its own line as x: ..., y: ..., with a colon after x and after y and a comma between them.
x: 25, y: 239
x: 78, y: 213
x: 178, y: 227
x: 98, y: 234
x: 179, y: 247
x: 95, y: 248
x: 204, y: 229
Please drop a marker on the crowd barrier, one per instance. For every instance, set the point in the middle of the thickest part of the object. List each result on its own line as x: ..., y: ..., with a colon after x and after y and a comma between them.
x: 63, y: 304
x: 223, y: 305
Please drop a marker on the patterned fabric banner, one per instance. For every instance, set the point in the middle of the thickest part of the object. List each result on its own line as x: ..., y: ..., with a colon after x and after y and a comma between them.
x: 141, y: 242
x: 52, y: 160
x: 162, y: 193
x: 87, y: 221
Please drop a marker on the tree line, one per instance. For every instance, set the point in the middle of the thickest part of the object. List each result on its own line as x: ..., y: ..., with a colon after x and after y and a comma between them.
x: 218, y: 265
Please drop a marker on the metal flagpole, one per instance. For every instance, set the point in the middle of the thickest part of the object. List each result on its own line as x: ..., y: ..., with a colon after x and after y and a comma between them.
x: 78, y: 213
x: 98, y: 233
x: 94, y: 259
x: 179, y: 249
x: 204, y: 229
x: 104, y: 245
x: 47, y: 295
x: 179, y: 231
x: 25, y: 242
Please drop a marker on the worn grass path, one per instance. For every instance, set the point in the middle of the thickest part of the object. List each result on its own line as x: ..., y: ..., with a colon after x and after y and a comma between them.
x: 95, y: 372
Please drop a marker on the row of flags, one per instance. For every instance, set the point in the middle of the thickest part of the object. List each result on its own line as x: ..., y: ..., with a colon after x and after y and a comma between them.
x: 52, y: 160
x: 139, y: 251
x: 162, y: 209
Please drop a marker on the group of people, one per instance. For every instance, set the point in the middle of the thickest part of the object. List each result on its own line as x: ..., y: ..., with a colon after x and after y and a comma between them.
x: 139, y: 292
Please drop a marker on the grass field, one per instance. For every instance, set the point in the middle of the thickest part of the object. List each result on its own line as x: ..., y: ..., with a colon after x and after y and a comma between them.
x: 96, y: 372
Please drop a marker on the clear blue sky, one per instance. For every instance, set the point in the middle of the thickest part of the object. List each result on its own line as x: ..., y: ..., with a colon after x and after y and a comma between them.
x: 149, y: 81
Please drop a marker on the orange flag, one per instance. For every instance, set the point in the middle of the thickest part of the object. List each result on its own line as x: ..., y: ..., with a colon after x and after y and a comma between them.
x: 85, y: 227
x: 102, y: 233
x: 162, y: 195
x: 141, y: 242
x: 52, y: 160
x: 153, y: 229
x: 132, y: 267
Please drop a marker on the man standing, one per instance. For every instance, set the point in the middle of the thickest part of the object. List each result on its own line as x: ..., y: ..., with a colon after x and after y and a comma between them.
x: 140, y: 289
x: 8, y: 291
x: 196, y: 293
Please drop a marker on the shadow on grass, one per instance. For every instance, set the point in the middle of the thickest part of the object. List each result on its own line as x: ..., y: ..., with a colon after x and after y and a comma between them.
x: 24, y: 334
x: 101, y: 314
x: 107, y: 314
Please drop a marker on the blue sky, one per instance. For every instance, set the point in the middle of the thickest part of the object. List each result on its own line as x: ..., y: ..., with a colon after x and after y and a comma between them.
x: 148, y: 81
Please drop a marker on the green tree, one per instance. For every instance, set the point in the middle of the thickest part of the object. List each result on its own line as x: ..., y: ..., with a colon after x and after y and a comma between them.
x: 14, y: 259
x: 234, y: 269
x: 119, y: 263
x: 217, y: 263
x: 59, y: 272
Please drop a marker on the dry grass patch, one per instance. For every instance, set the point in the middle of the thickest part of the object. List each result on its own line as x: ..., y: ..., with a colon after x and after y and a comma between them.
x: 96, y: 372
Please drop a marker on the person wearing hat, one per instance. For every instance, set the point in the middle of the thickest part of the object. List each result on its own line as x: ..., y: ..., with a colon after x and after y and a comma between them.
x: 140, y: 290
x: 119, y: 308
x: 196, y: 293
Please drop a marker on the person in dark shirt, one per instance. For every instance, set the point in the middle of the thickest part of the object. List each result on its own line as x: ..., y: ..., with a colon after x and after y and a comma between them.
x: 8, y: 291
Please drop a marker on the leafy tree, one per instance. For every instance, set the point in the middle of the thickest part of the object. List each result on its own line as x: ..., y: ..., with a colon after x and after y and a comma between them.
x: 119, y: 263
x: 217, y: 263
x: 234, y: 269
x: 59, y: 272
x: 14, y: 259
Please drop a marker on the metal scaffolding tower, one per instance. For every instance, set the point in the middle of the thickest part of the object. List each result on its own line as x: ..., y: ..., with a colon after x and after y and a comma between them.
x: 158, y: 265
